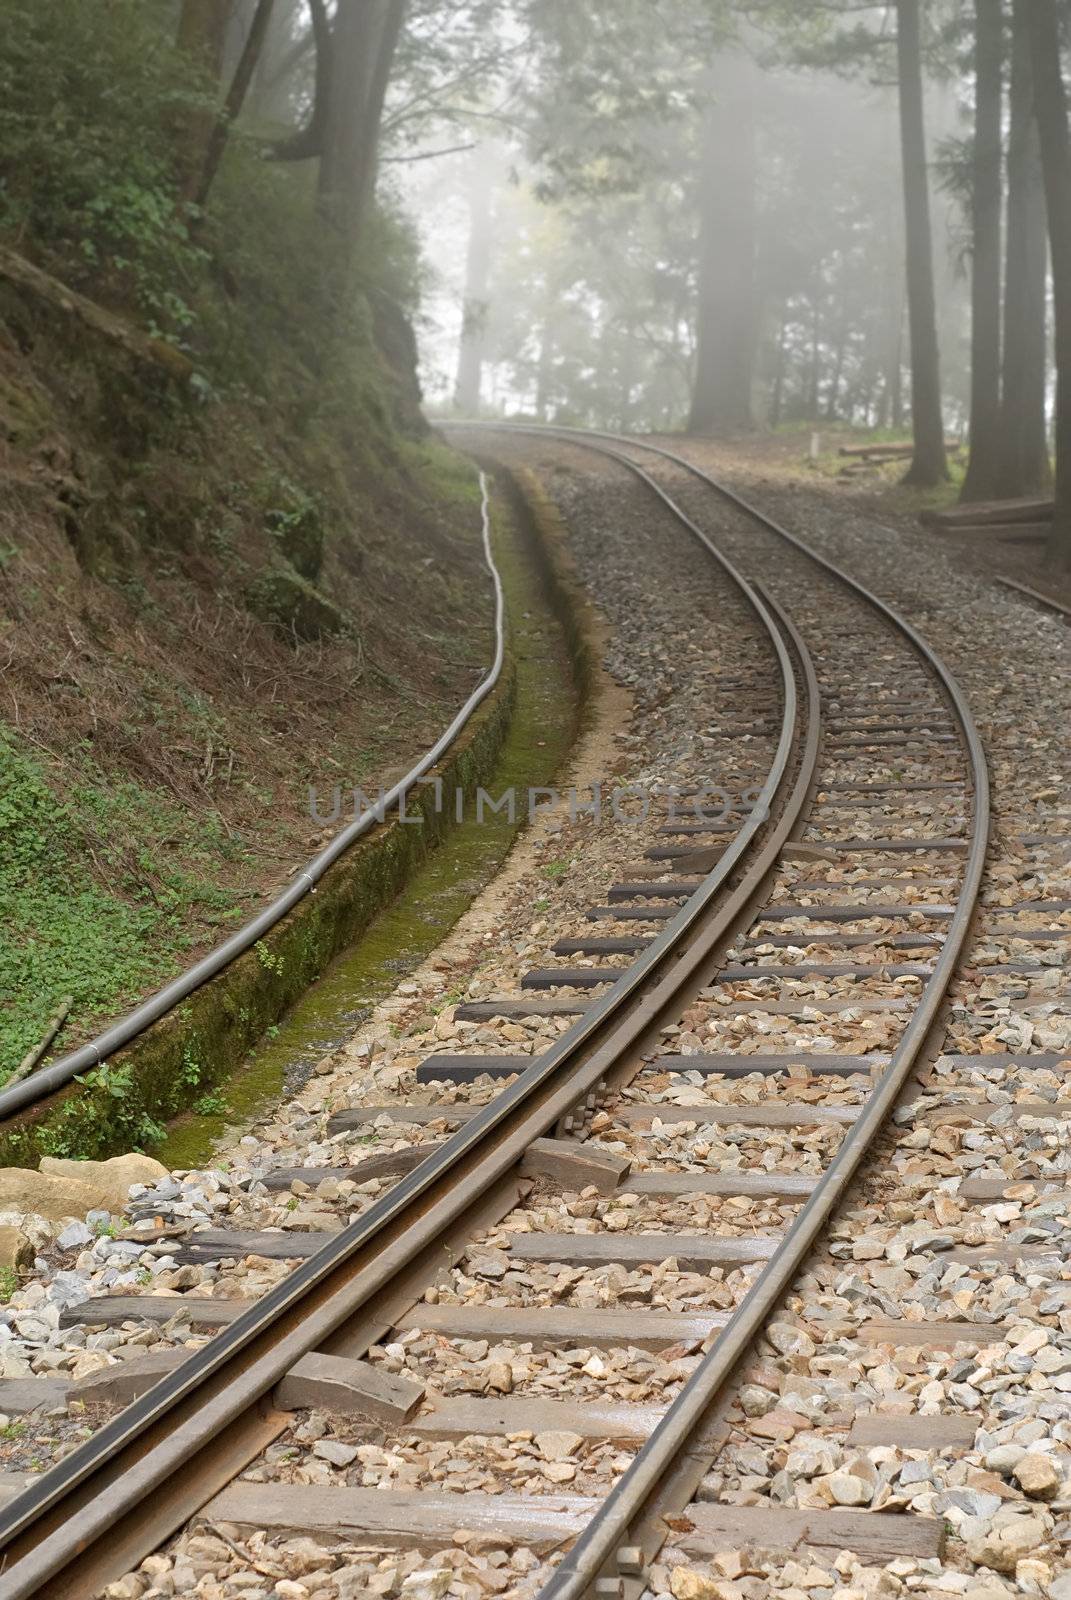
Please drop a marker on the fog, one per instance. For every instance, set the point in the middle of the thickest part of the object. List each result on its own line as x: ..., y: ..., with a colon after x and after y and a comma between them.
x: 706, y: 227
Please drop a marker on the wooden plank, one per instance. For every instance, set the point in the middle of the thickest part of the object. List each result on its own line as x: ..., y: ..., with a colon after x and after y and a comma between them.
x: 596, y: 945
x: 570, y: 977
x: 987, y: 1191
x: 975, y: 1255
x: 1053, y: 908
x: 466, y: 1069
x: 348, y: 1388
x: 409, y: 1116
x: 686, y: 830
x: 686, y: 855
x: 509, y: 1006
x: 387, y: 1164
x: 665, y: 889
x: 870, y: 1535
x: 632, y: 913
x: 212, y: 1244
x: 790, y: 910
x: 937, y: 718
x: 118, y: 1385
x: 818, y: 969
x: 693, y: 1252
x: 413, y: 1519
x: 111, y: 1310
x: 566, y: 1327
x: 460, y: 1418
x: 930, y: 1335
x: 795, y: 1007
x: 918, y: 786
x: 966, y: 1114
x: 768, y: 1114
x: 913, y: 1432
x: 903, y: 846
x: 845, y: 941
x: 885, y: 880
x: 819, y: 1064
x: 574, y: 1165
x: 19, y: 1396
x: 753, y: 1182
x: 925, y: 739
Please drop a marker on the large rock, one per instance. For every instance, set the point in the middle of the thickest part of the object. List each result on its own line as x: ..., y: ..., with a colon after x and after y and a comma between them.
x: 44, y: 1194
x: 108, y: 1181
x: 15, y: 1249
x: 1008, y: 1540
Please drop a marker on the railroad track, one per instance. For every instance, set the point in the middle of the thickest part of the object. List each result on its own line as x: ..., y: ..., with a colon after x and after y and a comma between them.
x: 781, y: 968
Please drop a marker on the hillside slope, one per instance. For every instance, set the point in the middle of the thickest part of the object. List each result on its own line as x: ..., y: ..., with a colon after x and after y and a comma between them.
x: 228, y: 571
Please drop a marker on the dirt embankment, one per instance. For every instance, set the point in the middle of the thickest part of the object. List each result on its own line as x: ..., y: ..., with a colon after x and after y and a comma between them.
x: 211, y: 598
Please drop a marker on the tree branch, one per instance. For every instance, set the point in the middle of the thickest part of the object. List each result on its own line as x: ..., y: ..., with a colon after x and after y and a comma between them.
x: 309, y: 141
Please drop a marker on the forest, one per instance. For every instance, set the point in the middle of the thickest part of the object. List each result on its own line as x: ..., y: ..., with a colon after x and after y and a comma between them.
x: 535, y: 799
x: 820, y: 212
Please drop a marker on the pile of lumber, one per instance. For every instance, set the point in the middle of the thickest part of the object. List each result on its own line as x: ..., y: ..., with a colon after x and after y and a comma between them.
x: 889, y: 452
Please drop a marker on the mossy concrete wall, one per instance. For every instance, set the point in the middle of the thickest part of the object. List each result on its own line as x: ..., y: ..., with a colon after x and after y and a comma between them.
x: 197, y: 1046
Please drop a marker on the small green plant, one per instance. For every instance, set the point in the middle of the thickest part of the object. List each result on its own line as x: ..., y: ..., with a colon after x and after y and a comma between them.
x: 210, y: 1105
x: 13, y: 1430
x: 190, y: 1071
x: 9, y: 1282
x: 555, y: 869
x: 270, y: 962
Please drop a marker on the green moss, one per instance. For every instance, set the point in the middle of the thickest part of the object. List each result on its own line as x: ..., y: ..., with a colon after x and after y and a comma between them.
x: 517, y: 738
x: 546, y: 712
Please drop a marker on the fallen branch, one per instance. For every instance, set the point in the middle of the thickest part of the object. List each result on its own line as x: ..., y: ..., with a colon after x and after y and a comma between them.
x: 34, y: 1057
x: 33, y: 280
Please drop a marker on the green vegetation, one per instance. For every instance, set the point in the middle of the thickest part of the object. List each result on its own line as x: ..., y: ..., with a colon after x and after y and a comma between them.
x: 219, y: 508
x: 84, y: 913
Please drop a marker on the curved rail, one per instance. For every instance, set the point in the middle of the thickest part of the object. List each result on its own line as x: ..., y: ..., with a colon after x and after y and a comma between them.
x: 85, y: 1510
x: 661, y: 1463
x: 31, y: 1089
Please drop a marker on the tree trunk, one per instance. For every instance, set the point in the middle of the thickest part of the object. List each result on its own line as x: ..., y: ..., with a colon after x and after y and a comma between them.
x: 983, y: 478
x: 777, y: 396
x: 202, y: 35
x: 816, y: 362
x: 364, y: 39
x: 243, y: 75
x: 725, y: 312
x: 545, y: 371
x: 929, y: 464
x: 1050, y: 102
x: 269, y: 92
x: 833, y: 392
x: 474, y: 313
x: 1025, y: 467
x: 897, y: 375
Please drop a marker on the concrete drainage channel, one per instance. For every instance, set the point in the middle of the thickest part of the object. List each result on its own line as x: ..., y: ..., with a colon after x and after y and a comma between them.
x: 233, y: 1043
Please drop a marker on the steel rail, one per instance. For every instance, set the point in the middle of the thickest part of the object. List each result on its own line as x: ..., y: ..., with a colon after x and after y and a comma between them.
x: 643, y: 1487
x: 58, y: 1536
x: 97, y: 1050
